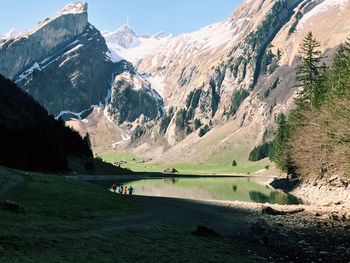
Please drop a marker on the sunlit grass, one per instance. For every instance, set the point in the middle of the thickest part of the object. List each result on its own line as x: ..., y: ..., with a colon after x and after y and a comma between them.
x: 220, y: 164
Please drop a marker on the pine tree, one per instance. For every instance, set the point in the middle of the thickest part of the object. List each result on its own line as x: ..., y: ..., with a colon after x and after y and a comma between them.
x: 339, y: 76
x: 309, y: 72
x: 197, y: 124
x: 87, y: 140
x: 279, y: 151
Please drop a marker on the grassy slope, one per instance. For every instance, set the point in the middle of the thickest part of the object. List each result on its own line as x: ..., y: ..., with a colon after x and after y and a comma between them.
x: 221, y: 163
x: 59, y: 221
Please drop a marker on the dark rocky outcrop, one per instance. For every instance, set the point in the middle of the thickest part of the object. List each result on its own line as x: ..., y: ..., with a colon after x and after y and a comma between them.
x: 63, y: 64
x: 133, y: 97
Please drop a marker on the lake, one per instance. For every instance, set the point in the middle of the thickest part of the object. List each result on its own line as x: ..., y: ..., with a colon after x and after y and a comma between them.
x: 208, y: 188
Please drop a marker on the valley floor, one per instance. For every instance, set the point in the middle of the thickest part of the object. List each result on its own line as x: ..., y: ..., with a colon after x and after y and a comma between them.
x: 68, y: 221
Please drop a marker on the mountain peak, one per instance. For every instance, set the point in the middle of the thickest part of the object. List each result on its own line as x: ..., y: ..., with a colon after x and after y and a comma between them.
x: 126, y: 29
x: 124, y: 36
x: 11, y: 34
x: 74, y: 8
x: 160, y: 35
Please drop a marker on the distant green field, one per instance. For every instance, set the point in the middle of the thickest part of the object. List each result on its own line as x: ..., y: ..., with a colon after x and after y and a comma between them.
x: 220, y: 164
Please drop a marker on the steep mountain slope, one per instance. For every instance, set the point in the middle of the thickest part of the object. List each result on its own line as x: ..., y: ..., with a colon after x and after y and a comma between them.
x: 11, y: 34
x: 62, y: 63
x: 66, y: 66
x: 236, y: 75
x: 30, y: 139
x: 133, y: 96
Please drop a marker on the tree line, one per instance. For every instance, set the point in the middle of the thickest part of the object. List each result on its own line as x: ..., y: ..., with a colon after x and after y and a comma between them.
x: 314, y: 140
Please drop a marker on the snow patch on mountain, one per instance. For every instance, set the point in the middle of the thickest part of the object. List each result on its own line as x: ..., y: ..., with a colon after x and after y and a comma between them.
x: 76, y: 114
x: 323, y: 7
x: 73, y: 8
x: 113, y: 56
x: 29, y: 71
x: 124, y: 37
x: 66, y: 51
x: 13, y: 33
x: 124, y: 43
x: 157, y: 82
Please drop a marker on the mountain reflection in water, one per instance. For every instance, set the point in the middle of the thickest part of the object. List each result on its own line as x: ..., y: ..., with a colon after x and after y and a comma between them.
x: 209, y: 188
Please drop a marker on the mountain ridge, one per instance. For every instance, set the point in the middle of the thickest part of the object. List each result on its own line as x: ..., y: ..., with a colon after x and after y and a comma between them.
x: 64, y: 64
x: 229, y: 72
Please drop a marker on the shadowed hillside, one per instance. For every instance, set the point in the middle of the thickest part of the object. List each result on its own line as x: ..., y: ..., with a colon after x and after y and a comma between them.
x: 30, y: 139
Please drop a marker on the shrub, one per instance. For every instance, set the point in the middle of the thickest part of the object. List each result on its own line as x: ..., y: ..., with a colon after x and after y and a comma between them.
x: 138, y: 133
x: 164, y: 123
x: 197, y: 124
x: 237, y: 98
x: 203, y: 130
x: 260, y: 152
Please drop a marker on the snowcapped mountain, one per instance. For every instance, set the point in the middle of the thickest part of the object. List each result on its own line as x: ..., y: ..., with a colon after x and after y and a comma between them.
x: 124, y: 43
x: 140, y: 93
x: 66, y: 66
x: 11, y: 34
x: 62, y: 63
x: 124, y: 37
x: 237, y: 74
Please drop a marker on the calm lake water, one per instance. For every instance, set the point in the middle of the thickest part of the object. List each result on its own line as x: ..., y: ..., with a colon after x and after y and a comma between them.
x: 241, y: 189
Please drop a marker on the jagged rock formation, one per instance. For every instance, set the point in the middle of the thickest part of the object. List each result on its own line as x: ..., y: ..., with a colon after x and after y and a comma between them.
x: 62, y: 64
x: 42, y: 42
x: 133, y: 96
x: 66, y: 66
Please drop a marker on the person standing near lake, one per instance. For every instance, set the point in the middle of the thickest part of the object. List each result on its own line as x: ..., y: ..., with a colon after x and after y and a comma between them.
x: 130, y: 190
x: 114, y: 187
x: 121, y: 189
x: 125, y: 190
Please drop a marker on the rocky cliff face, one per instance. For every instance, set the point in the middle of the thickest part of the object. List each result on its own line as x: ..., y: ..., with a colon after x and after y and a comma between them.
x: 133, y: 96
x: 22, y: 52
x: 62, y: 64
x: 66, y: 66
x: 235, y: 76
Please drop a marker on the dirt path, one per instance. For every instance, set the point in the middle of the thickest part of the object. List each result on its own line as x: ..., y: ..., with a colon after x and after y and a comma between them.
x: 176, y: 212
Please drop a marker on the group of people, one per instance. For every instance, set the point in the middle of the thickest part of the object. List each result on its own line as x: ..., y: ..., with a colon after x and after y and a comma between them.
x: 122, y: 189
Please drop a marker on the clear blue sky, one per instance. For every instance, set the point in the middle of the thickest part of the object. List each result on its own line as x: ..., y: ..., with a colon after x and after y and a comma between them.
x: 146, y: 16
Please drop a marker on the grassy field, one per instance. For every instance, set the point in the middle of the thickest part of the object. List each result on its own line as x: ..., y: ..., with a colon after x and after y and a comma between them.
x: 64, y: 221
x: 221, y: 164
